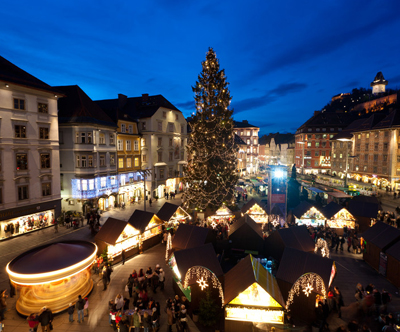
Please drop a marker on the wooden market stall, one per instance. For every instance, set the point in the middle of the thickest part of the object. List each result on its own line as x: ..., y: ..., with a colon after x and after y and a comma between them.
x: 296, y: 237
x: 378, y: 239
x: 307, y: 214
x: 149, y: 226
x: 189, y: 236
x: 393, y: 264
x: 172, y: 215
x: 338, y: 217
x: 115, y: 235
x: 223, y: 214
x: 246, y: 234
x: 195, y: 270
x: 364, y: 208
x: 312, y: 274
x: 252, y: 295
x: 255, y: 211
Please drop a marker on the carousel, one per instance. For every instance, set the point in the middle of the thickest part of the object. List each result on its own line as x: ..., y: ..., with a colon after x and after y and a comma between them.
x: 223, y: 215
x: 52, y: 275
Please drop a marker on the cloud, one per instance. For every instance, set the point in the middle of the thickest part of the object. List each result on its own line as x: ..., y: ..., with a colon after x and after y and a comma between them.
x: 351, y: 85
x: 187, y: 105
x: 393, y: 81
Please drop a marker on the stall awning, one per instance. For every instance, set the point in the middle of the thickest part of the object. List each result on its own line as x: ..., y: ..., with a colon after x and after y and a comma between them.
x: 338, y: 194
x: 240, y: 189
x: 316, y: 190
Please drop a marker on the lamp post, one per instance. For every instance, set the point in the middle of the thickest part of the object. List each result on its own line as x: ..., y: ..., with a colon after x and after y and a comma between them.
x: 302, y: 164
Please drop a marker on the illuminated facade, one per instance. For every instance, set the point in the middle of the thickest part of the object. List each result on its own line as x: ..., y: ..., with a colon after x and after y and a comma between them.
x: 249, y: 134
x: 241, y: 156
x: 88, y: 154
x: 29, y: 154
x: 277, y: 149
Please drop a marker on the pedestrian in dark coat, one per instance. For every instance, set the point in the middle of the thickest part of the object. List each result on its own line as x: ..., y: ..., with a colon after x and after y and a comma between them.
x: 338, y: 300
x: 123, y: 256
x: 105, y: 280
x: 45, y: 318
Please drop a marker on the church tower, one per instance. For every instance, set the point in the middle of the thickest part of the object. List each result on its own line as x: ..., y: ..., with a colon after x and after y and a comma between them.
x: 379, y: 84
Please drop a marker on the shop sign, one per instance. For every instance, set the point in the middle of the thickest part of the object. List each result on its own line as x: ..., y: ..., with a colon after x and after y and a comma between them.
x: 254, y: 315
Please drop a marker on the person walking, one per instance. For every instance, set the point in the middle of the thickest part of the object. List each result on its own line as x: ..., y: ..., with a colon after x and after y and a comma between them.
x: 71, y: 310
x: 109, y: 270
x: 123, y: 256
x: 104, y: 278
x: 150, y: 201
x: 33, y: 322
x: 45, y: 318
x: 338, y: 300
x: 161, y: 279
x: 80, y: 304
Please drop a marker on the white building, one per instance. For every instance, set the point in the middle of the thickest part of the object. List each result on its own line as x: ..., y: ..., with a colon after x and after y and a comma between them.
x: 249, y: 134
x: 88, y: 152
x: 29, y: 155
x: 164, y: 136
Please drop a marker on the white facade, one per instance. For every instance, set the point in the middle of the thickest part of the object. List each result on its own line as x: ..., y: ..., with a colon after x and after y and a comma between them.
x: 164, y: 139
x: 29, y: 154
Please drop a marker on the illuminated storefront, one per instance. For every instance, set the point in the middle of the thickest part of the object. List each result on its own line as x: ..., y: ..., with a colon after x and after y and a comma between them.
x: 222, y: 215
x: 43, y: 279
x: 131, y: 188
x: 255, y: 211
x: 338, y: 217
x: 257, y: 298
x: 312, y: 217
x: 173, y: 215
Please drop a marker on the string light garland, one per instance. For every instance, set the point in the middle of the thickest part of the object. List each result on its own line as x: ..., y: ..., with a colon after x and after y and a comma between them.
x: 323, y: 246
x: 210, y: 173
x: 168, y: 247
x: 202, y: 274
x: 306, y: 283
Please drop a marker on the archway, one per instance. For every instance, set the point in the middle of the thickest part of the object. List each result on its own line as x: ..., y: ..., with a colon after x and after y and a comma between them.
x: 202, y: 274
x: 323, y: 246
x: 306, y: 283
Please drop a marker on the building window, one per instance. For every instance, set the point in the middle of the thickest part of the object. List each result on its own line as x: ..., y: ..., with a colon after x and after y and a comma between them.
x: 136, y: 145
x: 46, y: 189
x: 136, y: 161
x: 334, y: 156
x: 398, y: 159
x: 317, y: 129
x: 159, y: 126
x: 143, y: 125
x: 176, y: 117
x: 44, y: 160
x: 182, y: 142
x: 128, y: 145
x: 384, y: 170
x: 130, y: 129
x: 23, y: 192
x: 309, y: 137
x: 367, y: 135
x: 317, y: 144
x: 171, y: 127
x: 22, y: 161
x: 376, y: 134
x: 386, y: 134
x: 123, y: 181
x: 19, y: 104
x: 316, y: 153
x: 159, y: 156
x: 340, y: 165
x: 89, y: 138
x: 170, y: 142
x: 323, y: 153
x: 161, y: 173
x: 376, y: 146
x: 44, y: 133
x: 120, y: 145
x: 120, y: 162
x: 340, y: 155
x: 112, y: 142
x: 84, y: 185
x: 365, y: 157
x: 170, y: 172
x: 78, y: 161
x: 255, y: 141
x: 366, y: 146
x: 324, y: 129
x: 331, y: 129
x: 84, y: 161
x: 129, y: 162
x: 159, y: 141
x: 144, y: 158
x: 375, y: 157
x: 112, y: 159
x: 102, y: 139
x: 103, y: 182
x: 90, y: 161
x: 358, y: 147
x: 308, y: 144
x: 375, y: 169
x: 323, y: 135
x: 123, y: 128
x: 365, y: 168
x: 385, y: 157
x: 182, y: 155
x: 170, y: 156
x: 43, y: 108
x: 182, y: 129
x: 20, y: 131
x: 164, y: 115
x: 102, y: 160
x: 385, y: 145
x: 323, y: 144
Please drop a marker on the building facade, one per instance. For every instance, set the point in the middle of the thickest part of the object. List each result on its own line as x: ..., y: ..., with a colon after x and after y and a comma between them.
x: 29, y: 154
x: 249, y: 134
x: 241, y: 156
x: 163, y: 131
x: 88, y: 153
x: 277, y: 149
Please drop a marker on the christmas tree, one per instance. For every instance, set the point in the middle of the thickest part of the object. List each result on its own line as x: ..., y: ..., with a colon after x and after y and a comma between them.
x: 211, y: 170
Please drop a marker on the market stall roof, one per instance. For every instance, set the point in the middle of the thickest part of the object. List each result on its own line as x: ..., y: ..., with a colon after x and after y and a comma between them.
x: 204, y: 256
x: 338, y: 194
x: 246, y: 220
x: 394, y: 251
x: 382, y: 235
x: 223, y: 210
x: 247, y: 272
x: 188, y: 236
x: 316, y: 190
x: 301, y: 209
x: 364, y: 206
x: 294, y: 263
x: 111, y: 230
x: 249, y: 205
x: 167, y: 211
x: 141, y: 219
x: 52, y: 257
x: 331, y: 209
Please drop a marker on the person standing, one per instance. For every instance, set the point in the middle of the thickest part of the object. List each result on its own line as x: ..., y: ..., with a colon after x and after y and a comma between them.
x: 86, y: 307
x: 80, y: 304
x: 150, y: 201
x: 109, y: 270
x: 45, y: 318
x: 136, y: 320
x: 161, y: 278
x: 71, y: 310
x: 3, y: 304
x: 123, y: 256
x: 104, y: 278
x: 338, y: 300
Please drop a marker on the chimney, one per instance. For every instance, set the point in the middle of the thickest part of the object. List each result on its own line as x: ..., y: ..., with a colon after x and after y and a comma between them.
x: 145, y: 96
x: 122, y: 99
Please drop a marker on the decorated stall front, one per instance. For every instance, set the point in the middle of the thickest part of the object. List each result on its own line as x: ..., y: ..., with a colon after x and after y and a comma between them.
x: 52, y: 275
x: 222, y: 215
x: 307, y: 214
x: 252, y: 295
x: 255, y: 211
x: 149, y: 226
x: 338, y: 216
x: 117, y: 235
x: 304, y: 279
x: 194, y: 271
x: 173, y: 215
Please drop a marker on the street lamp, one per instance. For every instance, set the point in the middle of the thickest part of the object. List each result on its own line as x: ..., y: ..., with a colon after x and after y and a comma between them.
x: 302, y: 166
x: 347, y: 140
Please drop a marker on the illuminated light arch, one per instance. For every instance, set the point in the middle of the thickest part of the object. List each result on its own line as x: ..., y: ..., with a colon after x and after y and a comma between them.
x: 323, y: 246
x: 202, y: 274
x: 168, y: 246
x: 306, y: 284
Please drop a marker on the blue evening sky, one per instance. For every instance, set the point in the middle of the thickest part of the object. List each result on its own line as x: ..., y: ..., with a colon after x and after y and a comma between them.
x: 283, y: 59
